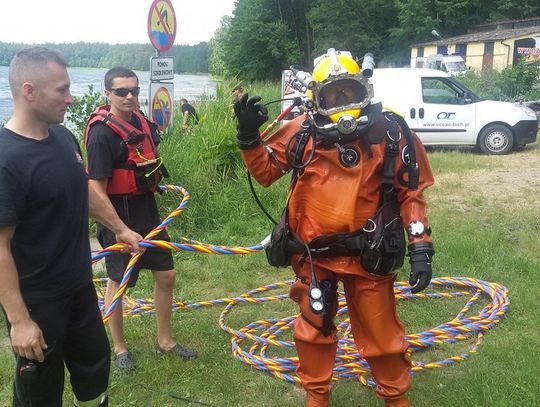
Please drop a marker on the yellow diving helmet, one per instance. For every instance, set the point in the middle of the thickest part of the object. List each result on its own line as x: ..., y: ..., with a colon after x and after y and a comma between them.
x: 340, y: 89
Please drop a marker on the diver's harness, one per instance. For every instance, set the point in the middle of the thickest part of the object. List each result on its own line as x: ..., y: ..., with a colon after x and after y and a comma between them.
x: 380, y: 243
x: 143, y: 168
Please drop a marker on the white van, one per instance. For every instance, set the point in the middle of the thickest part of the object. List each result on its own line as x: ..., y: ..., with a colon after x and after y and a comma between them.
x: 442, y: 111
x: 453, y: 64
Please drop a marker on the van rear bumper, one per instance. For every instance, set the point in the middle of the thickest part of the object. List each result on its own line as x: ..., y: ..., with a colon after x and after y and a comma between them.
x: 525, y: 131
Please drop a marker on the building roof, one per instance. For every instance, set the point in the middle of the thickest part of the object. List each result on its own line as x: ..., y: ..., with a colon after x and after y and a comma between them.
x: 506, y: 24
x: 497, y: 35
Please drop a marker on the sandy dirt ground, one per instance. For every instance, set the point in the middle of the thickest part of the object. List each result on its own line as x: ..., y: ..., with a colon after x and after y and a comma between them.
x: 512, y: 182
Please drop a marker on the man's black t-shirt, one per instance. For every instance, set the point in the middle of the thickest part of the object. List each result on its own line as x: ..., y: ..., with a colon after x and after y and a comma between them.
x: 186, y: 107
x: 105, y: 152
x: 44, y: 195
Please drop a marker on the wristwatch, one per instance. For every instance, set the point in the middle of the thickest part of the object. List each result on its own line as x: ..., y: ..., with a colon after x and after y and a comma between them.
x: 417, y: 228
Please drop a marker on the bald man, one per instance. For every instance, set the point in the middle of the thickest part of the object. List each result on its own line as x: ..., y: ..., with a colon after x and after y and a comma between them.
x: 46, y: 288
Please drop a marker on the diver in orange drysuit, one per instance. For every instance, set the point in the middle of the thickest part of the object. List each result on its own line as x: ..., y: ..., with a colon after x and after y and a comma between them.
x: 337, y: 189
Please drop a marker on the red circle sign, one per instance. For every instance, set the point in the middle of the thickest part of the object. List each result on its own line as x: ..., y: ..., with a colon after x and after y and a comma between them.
x: 162, y: 105
x: 162, y: 24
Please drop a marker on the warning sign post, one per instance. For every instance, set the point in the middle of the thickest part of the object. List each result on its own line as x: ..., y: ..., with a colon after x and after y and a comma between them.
x: 162, y: 33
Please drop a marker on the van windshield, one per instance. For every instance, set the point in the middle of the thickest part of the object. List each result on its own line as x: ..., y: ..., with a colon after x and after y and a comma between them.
x: 456, y: 66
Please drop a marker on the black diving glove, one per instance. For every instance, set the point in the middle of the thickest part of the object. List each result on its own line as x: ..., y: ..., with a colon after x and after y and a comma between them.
x: 251, y: 115
x: 420, y: 255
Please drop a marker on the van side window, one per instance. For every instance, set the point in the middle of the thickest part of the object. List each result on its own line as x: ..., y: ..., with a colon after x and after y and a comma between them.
x: 436, y: 90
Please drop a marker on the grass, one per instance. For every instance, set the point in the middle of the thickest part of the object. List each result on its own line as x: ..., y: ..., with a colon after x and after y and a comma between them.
x: 485, y: 215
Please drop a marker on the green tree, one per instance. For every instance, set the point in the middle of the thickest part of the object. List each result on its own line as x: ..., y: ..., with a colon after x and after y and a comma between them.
x: 514, y: 9
x: 456, y: 16
x: 216, y: 65
x: 416, y: 19
x: 259, y: 44
x: 188, y: 58
x: 364, y: 28
x: 294, y: 13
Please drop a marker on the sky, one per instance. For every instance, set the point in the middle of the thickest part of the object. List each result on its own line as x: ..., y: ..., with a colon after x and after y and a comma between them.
x: 110, y: 21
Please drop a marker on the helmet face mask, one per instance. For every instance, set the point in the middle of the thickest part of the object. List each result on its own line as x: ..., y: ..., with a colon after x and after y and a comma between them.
x: 340, y: 88
x: 346, y: 96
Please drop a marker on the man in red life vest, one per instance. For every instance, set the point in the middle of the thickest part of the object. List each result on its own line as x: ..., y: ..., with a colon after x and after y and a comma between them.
x: 349, y: 161
x: 124, y: 168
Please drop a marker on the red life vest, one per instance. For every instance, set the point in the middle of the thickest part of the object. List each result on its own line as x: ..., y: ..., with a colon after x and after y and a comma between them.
x: 140, y: 173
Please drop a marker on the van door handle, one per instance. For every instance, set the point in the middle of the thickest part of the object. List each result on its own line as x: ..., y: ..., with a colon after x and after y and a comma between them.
x: 421, y: 112
x: 413, y: 112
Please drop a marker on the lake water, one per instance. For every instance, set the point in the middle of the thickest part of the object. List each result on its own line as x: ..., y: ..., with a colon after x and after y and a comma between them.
x: 191, y: 87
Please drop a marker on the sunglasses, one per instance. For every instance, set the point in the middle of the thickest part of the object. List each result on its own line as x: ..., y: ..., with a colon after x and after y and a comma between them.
x: 123, y: 92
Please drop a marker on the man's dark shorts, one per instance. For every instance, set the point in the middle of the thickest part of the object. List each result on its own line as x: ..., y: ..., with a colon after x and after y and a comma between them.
x: 153, y: 258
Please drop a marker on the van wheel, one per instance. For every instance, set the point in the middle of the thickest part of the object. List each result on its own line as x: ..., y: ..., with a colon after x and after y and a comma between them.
x: 496, y: 139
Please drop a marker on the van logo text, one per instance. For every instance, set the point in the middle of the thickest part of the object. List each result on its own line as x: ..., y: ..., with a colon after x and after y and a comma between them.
x: 445, y: 115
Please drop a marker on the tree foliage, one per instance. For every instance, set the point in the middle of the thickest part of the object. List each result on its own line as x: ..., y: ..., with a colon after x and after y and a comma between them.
x: 81, y: 108
x: 265, y: 36
x: 187, y: 58
x: 514, y: 9
x: 216, y: 62
x: 259, y: 42
x: 511, y: 84
x: 360, y: 29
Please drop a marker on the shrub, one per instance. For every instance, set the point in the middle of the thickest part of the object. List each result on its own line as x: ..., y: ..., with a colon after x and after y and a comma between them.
x: 511, y: 84
x: 79, y: 112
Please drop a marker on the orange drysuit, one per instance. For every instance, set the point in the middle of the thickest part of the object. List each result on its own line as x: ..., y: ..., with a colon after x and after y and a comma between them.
x: 330, y: 198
